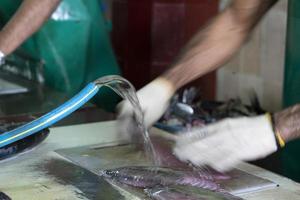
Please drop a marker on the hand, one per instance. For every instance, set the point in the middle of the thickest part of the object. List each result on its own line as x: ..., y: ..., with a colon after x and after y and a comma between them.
x: 154, y: 100
x: 224, y: 144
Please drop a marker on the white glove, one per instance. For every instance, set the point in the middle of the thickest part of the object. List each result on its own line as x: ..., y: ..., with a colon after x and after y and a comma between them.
x: 154, y: 99
x: 226, y: 143
x: 2, y: 55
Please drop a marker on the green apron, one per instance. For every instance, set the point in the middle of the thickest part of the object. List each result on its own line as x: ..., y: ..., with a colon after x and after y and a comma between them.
x: 291, y: 153
x: 75, y: 46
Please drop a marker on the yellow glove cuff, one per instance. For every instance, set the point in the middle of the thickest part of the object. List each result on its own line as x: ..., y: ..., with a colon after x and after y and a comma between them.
x: 277, y: 134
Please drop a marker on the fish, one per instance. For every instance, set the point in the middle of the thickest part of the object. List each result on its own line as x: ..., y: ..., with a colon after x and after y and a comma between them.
x: 3, y: 196
x: 147, y: 177
x: 187, y: 193
x: 166, y: 194
x: 163, y: 149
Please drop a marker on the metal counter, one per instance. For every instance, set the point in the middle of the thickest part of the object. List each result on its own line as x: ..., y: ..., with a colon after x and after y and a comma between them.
x: 44, y: 174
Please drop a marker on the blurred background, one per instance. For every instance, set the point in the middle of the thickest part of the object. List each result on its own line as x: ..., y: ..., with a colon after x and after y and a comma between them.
x: 140, y: 39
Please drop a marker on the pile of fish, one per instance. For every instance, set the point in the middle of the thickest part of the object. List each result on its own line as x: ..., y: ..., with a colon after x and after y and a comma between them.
x: 188, y: 110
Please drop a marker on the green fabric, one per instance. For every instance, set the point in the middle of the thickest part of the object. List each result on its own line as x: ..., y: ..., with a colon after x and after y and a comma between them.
x: 290, y: 154
x: 74, y: 45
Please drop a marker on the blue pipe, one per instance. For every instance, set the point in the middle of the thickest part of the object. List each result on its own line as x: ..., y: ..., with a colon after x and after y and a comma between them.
x: 50, y: 118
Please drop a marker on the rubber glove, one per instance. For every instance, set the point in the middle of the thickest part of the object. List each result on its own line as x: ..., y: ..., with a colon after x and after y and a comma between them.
x: 154, y: 99
x: 226, y: 143
x: 1, y: 57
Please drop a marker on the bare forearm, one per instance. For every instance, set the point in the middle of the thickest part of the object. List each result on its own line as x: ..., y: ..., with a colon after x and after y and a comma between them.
x: 214, y: 45
x: 209, y: 49
x: 287, y: 123
x: 28, y: 19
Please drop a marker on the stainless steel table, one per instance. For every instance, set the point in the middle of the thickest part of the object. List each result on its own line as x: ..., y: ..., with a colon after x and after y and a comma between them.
x: 44, y: 174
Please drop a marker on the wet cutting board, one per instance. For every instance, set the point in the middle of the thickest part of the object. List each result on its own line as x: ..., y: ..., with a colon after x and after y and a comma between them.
x: 114, y: 155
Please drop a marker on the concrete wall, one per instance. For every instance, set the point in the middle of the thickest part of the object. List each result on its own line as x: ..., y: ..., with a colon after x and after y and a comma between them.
x: 259, y: 65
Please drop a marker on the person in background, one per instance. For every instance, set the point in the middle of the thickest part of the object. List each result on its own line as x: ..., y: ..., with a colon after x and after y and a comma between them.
x: 224, y: 144
x: 30, y: 16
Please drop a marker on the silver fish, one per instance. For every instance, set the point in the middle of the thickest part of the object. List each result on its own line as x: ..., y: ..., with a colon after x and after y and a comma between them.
x: 147, y: 177
x: 163, y: 149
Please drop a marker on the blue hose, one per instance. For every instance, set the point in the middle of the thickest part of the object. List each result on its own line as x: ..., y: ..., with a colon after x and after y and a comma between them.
x: 50, y: 118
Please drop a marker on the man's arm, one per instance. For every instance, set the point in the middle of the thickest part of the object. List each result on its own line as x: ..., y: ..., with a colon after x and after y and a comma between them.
x: 240, y: 139
x: 211, y: 47
x: 287, y: 123
x: 28, y: 19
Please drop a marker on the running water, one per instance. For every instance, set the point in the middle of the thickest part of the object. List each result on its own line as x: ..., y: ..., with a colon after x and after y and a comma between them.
x: 126, y: 90
x: 160, y: 182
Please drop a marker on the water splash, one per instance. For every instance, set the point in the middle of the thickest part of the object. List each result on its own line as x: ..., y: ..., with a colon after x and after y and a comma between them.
x: 126, y: 90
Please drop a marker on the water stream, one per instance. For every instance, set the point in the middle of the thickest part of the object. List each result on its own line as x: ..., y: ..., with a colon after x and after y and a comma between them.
x: 126, y: 90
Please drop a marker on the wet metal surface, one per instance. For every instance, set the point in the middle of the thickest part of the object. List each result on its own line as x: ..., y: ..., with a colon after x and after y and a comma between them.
x: 187, y: 193
x: 36, y: 175
x: 88, y: 184
x: 96, y: 158
x: 109, y: 157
